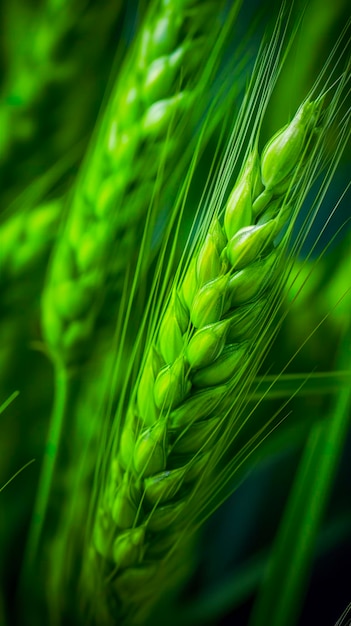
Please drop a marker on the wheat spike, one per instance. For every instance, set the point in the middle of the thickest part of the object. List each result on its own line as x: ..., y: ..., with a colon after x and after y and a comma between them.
x: 154, y: 94
x: 176, y: 415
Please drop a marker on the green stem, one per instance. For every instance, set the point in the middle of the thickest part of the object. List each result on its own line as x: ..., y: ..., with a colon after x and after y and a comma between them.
x: 64, y: 388
x: 284, y: 386
x: 8, y: 401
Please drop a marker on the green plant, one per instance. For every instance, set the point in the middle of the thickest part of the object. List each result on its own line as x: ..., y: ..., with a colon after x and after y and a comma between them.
x: 185, y: 409
x: 181, y: 324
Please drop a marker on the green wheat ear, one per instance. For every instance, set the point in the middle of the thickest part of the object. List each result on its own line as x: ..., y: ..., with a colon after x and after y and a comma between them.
x: 141, y: 131
x: 161, y: 476
x: 176, y: 420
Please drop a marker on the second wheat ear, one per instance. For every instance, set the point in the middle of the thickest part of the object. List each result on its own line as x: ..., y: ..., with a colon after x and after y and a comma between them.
x: 141, y: 129
x: 198, y: 356
x: 145, y: 118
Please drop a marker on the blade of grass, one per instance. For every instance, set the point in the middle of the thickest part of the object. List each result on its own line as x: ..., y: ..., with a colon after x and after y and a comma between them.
x: 49, y: 460
x: 285, y: 582
x: 8, y: 401
x: 321, y: 383
x: 16, y: 474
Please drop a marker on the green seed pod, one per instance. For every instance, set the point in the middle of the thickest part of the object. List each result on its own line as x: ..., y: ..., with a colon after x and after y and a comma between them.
x: 164, y: 486
x: 257, y: 185
x: 249, y: 283
x: 40, y: 221
x: 280, y: 216
x: 102, y: 533
x: 91, y: 253
x: 75, y: 231
x: 244, y: 321
x: 160, y: 76
x: 122, y: 151
x: 164, y: 34
x: 238, y: 211
x: 74, y: 338
x: 180, y: 313
x: 217, y: 235
x: 128, y: 547
x: 261, y: 202
x: 71, y: 301
x: 189, y: 285
x: 170, y: 337
x: 270, y: 211
x: 206, y: 344
x: 145, y: 400
x: 117, y: 472
x: 150, y: 450
x: 209, y: 301
x: 249, y: 243
x: 171, y: 386
x: 159, y: 115
x: 223, y: 368
x: 163, y: 516
x: 198, y: 406
x: 110, y: 191
x: 208, y: 261
x: 127, y: 106
x: 196, y: 437
x: 127, y: 441
x: 286, y: 149
x: 123, y: 510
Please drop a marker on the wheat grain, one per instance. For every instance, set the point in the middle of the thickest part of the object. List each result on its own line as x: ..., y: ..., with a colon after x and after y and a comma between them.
x: 26, y: 239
